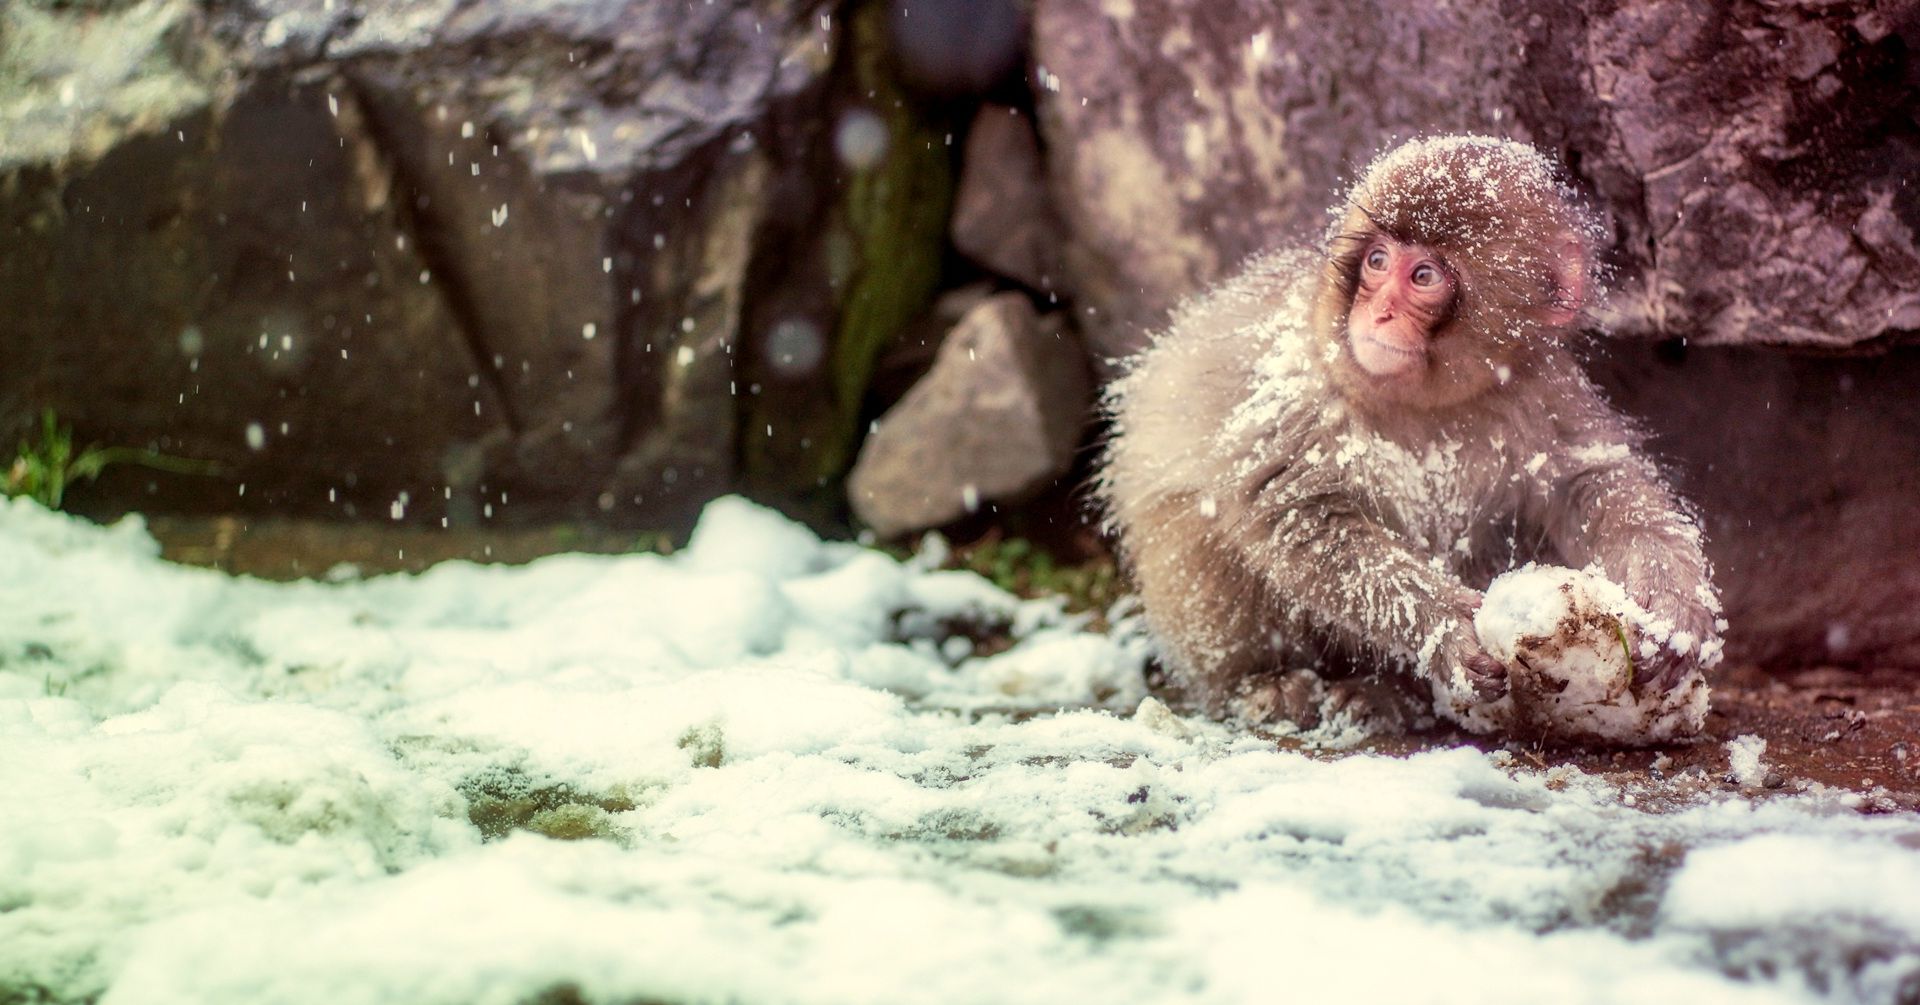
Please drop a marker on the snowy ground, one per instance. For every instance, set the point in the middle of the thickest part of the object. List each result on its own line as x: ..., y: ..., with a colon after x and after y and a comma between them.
x: 796, y: 787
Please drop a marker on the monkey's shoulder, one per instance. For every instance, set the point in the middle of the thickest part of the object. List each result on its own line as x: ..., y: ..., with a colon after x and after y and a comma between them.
x: 1217, y: 360
x: 1280, y: 281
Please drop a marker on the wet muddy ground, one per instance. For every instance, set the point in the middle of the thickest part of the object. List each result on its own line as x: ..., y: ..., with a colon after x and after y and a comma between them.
x: 1856, y: 730
x: 313, y: 549
x: 1847, y: 729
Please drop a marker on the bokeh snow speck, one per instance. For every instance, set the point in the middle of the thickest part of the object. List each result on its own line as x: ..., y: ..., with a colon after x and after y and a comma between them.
x: 226, y: 790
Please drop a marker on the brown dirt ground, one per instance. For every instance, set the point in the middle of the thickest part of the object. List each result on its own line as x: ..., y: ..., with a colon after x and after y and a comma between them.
x: 1856, y: 730
x: 293, y: 549
x: 1848, y: 729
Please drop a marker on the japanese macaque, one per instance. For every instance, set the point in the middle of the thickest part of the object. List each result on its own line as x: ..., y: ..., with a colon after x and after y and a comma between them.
x: 1320, y: 464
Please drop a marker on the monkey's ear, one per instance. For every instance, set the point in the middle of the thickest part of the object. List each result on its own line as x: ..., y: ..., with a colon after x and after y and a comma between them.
x: 1569, y: 294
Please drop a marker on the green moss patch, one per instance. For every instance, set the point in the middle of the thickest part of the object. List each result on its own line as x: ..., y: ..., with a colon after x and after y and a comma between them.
x: 499, y: 803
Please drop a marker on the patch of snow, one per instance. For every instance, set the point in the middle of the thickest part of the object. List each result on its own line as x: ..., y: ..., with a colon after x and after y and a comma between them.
x: 1744, y: 759
x: 225, y: 790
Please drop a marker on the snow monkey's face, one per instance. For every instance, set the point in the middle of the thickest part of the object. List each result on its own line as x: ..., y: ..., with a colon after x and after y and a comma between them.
x: 1403, y: 295
x: 1453, y: 261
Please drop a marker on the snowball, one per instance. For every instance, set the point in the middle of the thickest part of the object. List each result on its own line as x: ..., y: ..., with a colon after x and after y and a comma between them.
x: 1565, y: 637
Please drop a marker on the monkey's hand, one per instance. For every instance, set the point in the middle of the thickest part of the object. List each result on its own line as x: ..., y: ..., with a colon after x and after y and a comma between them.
x: 1683, y: 636
x: 1487, y: 676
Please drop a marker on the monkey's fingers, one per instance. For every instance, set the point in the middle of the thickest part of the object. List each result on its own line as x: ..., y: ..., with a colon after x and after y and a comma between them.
x: 1487, y: 675
x: 1664, y: 671
x: 1467, y: 601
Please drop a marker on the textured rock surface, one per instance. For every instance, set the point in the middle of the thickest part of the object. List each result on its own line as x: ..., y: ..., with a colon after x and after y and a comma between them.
x: 180, y: 292
x: 1002, y: 217
x: 848, y: 270
x: 912, y: 352
x: 1807, y: 475
x: 1758, y: 157
x: 994, y: 421
x: 75, y: 83
x: 492, y: 256
x: 1755, y: 157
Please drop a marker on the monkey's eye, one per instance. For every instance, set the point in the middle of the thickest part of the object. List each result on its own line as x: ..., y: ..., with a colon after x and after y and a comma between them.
x: 1377, y: 259
x: 1426, y: 274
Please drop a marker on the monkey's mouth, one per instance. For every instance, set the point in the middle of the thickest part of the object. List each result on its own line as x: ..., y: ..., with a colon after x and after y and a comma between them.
x: 1398, y: 350
x: 1385, y: 359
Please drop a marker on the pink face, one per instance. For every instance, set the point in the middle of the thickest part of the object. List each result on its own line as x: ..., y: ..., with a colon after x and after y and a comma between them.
x: 1404, y: 293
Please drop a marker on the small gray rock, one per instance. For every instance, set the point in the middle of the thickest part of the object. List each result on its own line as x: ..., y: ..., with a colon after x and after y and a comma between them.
x: 994, y: 421
x: 1001, y: 218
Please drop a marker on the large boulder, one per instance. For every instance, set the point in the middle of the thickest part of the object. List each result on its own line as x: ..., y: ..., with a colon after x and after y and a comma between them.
x: 181, y: 292
x: 1806, y: 472
x: 1756, y: 158
x: 498, y: 259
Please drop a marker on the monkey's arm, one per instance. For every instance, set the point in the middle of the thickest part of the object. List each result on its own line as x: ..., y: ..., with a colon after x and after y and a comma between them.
x: 1612, y: 509
x: 1339, y: 570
